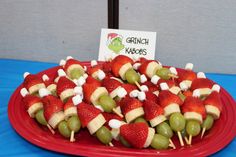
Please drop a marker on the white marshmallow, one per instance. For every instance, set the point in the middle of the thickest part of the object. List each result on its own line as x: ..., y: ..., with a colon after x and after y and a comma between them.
x: 44, y: 92
x: 69, y: 57
x: 216, y: 88
x: 155, y: 79
x: 61, y: 72
x: 114, y: 123
x: 144, y: 88
x: 76, y: 99
x: 189, y: 66
x: 45, y: 77
x: 99, y: 107
x: 134, y: 93
x: 173, y: 70
x: 136, y: 66
x: 183, y: 86
x: 143, y: 78
x: 62, y: 62
x: 26, y: 74
x: 201, y: 75
x: 101, y: 75
x: 93, y: 63
x: 81, y: 81
x: 24, y: 92
x: 85, y: 76
x: 85, y: 68
x: 164, y: 86
x: 141, y: 96
x: 78, y: 90
x: 121, y: 92
x: 196, y: 93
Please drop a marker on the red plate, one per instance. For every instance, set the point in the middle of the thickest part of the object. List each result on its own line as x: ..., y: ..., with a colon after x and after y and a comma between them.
x: 223, y: 131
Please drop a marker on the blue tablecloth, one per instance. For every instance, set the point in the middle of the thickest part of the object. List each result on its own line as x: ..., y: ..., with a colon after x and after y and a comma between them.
x: 11, y: 144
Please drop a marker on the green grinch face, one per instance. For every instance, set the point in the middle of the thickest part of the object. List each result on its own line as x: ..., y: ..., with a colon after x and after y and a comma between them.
x: 116, y: 45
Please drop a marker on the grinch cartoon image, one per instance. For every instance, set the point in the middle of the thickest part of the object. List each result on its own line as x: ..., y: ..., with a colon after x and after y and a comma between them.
x: 114, y: 42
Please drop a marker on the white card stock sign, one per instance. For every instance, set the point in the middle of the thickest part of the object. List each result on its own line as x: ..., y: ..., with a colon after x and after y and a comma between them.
x: 134, y: 44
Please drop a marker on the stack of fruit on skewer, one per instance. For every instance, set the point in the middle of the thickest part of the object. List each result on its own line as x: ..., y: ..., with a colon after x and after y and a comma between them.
x: 137, y: 102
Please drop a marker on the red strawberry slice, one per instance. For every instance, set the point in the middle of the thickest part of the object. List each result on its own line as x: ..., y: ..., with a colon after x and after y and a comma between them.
x: 31, y: 80
x: 188, y: 93
x: 91, y: 80
x: 51, y: 105
x: 127, y: 104
x: 194, y: 104
x: 135, y: 134
x: 107, y: 67
x: 69, y: 104
x: 214, y: 100
x: 129, y: 87
x: 166, y: 98
x: 94, y: 69
x: 143, y: 68
x: 151, y: 97
x: 118, y: 62
x: 64, y: 84
x: 110, y: 84
x: 186, y: 75
x: 87, y: 113
x: 30, y: 100
x: 151, y: 86
x: 151, y: 109
x: 71, y: 62
x: 201, y: 83
x: 88, y: 90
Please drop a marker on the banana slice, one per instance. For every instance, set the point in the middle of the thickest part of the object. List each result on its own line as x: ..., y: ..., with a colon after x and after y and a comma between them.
x: 97, y: 94
x: 175, y: 90
x: 133, y: 114
x: 150, y: 136
x: 124, y: 69
x: 152, y: 68
x: 52, y: 87
x: 204, y: 91
x: 56, y: 119
x: 193, y: 116
x: 157, y: 120
x: 71, y: 111
x: 214, y: 111
x: 96, y: 123
x: 113, y: 94
x: 66, y: 94
x: 34, y: 108
x: 35, y: 88
x: 171, y: 108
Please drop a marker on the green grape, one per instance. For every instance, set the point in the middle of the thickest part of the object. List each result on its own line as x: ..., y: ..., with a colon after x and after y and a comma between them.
x: 107, y: 103
x: 40, y: 117
x: 124, y: 142
x: 208, y: 122
x: 177, y: 121
x: 140, y: 119
x: 132, y: 76
x: 104, y: 135
x: 181, y: 96
x: 64, y: 129
x: 76, y: 73
x: 74, y: 123
x: 163, y: 73
x: 160, y: 142
x: 164, y: 129
x: 193, y: 127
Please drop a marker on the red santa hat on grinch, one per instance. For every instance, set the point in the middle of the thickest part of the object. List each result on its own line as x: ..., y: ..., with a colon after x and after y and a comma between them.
x: 111, y: 37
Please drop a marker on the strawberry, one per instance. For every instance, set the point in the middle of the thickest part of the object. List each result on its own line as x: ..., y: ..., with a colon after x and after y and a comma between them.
x: 87, y: 113
x: 129, y: 87
x: 91, y: 80
x: 110, y: 84
x: 31, y: 80
x: 151, y: 97
x: 94, y: 69
x: 109, y: 116
x: 118, y: 62
x: 64, y: 84
x: 151, y: 86
x: 188, y: 93
x: 68, y: 104
x: 71, y: 62
x: 151, y: 109
x: 214, y: 100
x: 143, y: 68
x: 135, y: 134
x: 193, y: 104
x: 51, y: 105
x: 107, y: 67
x: 88, y: 90
x: 30, y: 100
x: 166, y: 98
x: 201, y: 83
x: 186, y: 75
x: 127, y: 104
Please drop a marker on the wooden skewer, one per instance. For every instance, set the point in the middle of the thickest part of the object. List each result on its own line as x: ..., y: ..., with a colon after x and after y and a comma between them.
x: 173, y: 75
x: 138, y: 85
x: 203, y: 131
x: 180, y: 139
x: 72, y: 136
x: 173, y: 145
x: 190, y: 139
x: 170, y: 145
x: 50, y: 128
x: 110, y: 144
x: 186, y: 139
x: 117, y: 112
